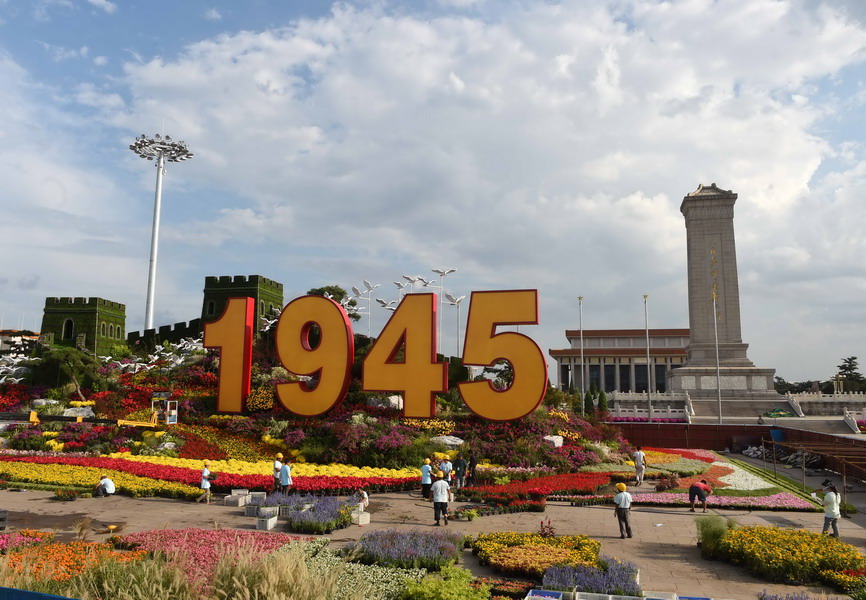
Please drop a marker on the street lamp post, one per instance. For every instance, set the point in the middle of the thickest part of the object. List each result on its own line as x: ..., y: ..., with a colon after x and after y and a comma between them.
x: 649, y: 379
x: 582, y: 387
x: 163, y: 149
x: 400, y: 287
x: 369, y: 287
x: 411, y: 281
x: 442, y: 273
x: 455, y: 301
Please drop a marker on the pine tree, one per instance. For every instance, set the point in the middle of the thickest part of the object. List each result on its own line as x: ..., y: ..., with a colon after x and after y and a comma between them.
x: 588, y: 405
x: 602, y: 402
x: 576, y: 400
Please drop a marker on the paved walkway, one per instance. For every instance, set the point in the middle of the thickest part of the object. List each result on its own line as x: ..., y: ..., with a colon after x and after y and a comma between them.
x: 664, y: 546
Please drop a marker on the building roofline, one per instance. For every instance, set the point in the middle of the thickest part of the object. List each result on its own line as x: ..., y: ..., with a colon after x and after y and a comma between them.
x: 616, y: 352
x: 624, y: 332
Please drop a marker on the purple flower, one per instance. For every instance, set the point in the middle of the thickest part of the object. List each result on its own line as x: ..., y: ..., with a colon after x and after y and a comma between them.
x: 610, y: 577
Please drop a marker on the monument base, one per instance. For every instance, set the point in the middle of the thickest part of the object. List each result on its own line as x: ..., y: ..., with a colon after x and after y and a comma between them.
x: 737, y: 383
x: 730, y: 355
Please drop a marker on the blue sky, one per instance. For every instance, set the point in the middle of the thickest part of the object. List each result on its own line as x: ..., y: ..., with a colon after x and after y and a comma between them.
x: 542, y: 145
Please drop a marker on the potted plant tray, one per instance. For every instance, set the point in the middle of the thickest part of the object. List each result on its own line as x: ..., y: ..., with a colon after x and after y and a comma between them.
x: 269, y: 511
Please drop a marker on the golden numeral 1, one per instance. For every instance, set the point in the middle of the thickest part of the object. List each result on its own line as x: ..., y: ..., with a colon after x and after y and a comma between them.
x: 236, y: 359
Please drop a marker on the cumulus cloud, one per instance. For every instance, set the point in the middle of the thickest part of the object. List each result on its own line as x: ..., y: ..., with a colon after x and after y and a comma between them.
x: 531, y: 145
x: 213, y: 14
x: 60, y: 54
x: 105, y: 5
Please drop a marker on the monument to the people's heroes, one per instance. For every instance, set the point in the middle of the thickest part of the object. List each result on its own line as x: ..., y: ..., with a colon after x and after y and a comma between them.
x: 712, y: 272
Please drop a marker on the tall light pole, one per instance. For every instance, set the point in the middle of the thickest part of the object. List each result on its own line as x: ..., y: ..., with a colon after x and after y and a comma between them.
x: 411, y: 280
x: 400, y: 287
x: 582, y: 387
x: 163, y: 149
x: 649, y: 379
x: 442, y: 273
x: 369, y: 287
x: 456, y: 302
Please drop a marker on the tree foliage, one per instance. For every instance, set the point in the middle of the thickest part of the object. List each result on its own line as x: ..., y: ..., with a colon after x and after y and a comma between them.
x: 850, y: 370
x: 337, y: 294
x: 62, y: 364
x: 602, y: 402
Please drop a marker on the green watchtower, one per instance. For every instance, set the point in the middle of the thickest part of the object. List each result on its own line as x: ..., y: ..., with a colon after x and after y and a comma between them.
x: 267, y: 293
x: 92, y: 323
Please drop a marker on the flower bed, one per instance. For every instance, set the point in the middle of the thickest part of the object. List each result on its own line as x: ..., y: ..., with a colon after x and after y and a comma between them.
x: 233, y: 446
x: 142, y: 478
x: 199, y: 550
x: 487, y: 545
x: 644, y: 420
x: 489, y: 475
x: 788, y: 555
x: 240, y: 467
x: 430, y: 550
x: 505, y: 588
x: 43, y: 470
x: 61, y: 561
x: 25, y: 537
x: 532, y: 560
x: 778, y: 501
x: 571, y: 483
x: 326, y: 515
x: 610, y: 576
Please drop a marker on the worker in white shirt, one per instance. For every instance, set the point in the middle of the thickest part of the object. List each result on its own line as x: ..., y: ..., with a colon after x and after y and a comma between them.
x: 639, y: 465
x: 623, y: 510
x: 105, y: 487
x: 278, y: 465
x: 831, y: 502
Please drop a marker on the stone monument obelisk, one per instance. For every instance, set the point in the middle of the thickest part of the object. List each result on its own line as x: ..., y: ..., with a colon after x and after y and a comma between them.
x: 712, y: 274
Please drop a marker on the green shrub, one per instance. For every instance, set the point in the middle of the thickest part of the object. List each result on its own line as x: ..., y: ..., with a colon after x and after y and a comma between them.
x: 450, y: 584
x: 711, y: 530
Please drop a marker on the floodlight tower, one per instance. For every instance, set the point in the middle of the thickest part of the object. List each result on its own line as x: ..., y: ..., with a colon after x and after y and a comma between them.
x: 162, y: 149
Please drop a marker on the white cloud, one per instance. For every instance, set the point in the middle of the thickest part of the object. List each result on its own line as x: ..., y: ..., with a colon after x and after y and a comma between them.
x: 60, y: 54
x: 100, y: 61
x: 535, y: 145
x: 109, y: 7
x: 213, y: 14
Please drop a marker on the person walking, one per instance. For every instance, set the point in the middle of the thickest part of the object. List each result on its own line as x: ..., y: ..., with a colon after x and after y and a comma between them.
x: 285, y: 477
x: 699, y: 491
x: 639, y: 465
x: 441, y: 493
x: 623, y: 502
x: 470, y: 474
x: 459, y: 472
x: 426, y: 478
x: 205, y: 483
x: 831, y: 502
x: 277, y: 466
x: 446, y: 467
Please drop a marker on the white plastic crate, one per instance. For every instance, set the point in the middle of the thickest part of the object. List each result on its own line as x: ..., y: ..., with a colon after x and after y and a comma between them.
x: 240, y: 492
x: 235, y: 500
x: 361, y: 518
x: 266, y: 523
